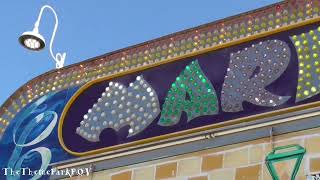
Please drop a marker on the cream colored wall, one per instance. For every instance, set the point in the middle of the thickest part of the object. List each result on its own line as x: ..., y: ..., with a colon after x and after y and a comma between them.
x: 244, y: 161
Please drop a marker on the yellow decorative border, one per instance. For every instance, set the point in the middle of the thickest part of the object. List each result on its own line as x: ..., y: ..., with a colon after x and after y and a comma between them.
x: 194, y: 130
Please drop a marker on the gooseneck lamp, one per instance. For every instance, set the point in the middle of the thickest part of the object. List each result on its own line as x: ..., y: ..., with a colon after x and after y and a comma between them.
x: 34, y: 41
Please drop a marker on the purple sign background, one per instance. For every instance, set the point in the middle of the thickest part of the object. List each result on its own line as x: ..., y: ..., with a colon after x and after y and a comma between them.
x: 214, y: 65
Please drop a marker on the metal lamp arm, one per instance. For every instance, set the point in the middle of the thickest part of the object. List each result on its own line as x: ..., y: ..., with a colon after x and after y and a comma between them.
x: 58, y: 58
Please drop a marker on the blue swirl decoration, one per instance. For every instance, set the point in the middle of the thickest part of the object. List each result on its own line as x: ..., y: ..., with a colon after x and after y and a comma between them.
x: 31, y: 139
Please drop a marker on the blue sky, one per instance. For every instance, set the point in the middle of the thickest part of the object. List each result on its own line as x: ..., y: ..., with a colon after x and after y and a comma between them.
x: 91, y: 28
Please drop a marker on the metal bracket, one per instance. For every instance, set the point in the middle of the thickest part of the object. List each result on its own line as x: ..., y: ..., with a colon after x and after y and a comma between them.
x: 271, y: 137
x: 91, y: 170
x: 210, y: 136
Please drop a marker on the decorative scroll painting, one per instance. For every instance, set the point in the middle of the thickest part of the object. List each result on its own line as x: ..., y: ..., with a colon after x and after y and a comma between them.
x: 31, y: 140
x: 252, y: 78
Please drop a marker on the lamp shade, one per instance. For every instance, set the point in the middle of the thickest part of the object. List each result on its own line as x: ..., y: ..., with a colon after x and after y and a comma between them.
x: 291, y: 153
x: 32, y: 40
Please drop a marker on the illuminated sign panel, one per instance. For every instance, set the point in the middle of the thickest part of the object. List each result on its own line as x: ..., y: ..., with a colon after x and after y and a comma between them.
x: 250, y: 79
